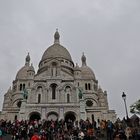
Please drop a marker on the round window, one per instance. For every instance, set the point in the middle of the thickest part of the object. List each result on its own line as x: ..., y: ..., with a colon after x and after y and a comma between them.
x: 89, y: 103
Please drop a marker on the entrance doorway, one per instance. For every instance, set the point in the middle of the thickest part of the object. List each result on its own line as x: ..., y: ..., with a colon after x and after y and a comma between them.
x: 35, y: 116
x: 15, y: 117
x: 70, y: 117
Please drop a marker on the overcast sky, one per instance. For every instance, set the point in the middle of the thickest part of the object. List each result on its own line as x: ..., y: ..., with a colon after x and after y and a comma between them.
x: 107, y: 31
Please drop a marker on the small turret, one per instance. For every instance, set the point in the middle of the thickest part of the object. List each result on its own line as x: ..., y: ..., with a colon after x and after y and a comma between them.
x: 77, y: 68
x: 86, y: 72
x: 83, y: 58
x: 27, y: 60
x: 22, y: 73
x: 31, y: 71
x: 56, y: 37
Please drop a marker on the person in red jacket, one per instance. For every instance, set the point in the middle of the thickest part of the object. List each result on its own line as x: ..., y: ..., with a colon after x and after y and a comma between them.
x: 35, y: 136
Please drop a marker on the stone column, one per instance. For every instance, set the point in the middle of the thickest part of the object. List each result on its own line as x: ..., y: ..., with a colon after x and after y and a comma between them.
x: 43, y: 114
x: 83, y: 115
x: 22, y: 115
x: 61, y: 113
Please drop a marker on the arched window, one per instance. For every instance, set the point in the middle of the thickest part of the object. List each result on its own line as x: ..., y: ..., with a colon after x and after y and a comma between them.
x: 89, y: 86
x: 19, y: 104
x: 15, y: 117
x: 68, y: 93
x: 86, y: 86
x: 67, y: 89
x: 54, y: 69
x: 78, y: 84
x: 39, y: 98
x: 68, y: 98
x: 53, y: 86
x: 39, y: 89
x: 23, y: 86
x: 20, y: 87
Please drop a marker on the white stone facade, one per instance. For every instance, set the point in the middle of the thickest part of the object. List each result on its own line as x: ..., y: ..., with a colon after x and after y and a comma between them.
x: 59, y: 90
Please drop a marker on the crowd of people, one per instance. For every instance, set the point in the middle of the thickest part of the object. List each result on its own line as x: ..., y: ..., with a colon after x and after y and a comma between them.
x: 61, y: 130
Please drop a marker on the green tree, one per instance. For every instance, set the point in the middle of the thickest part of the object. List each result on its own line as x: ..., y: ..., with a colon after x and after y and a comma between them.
x: 135, y: 108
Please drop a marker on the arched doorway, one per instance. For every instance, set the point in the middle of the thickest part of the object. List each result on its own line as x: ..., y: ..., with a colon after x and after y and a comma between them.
x: 52, y: 116
x: 15, y: 117
x: 34, y: 116
x: 70, y: 116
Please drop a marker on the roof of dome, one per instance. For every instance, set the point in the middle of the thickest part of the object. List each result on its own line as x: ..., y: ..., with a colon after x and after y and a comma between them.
x: 87, y: 73
x: 22, y: 73
x: 56, y: 50
x: 31, y: 68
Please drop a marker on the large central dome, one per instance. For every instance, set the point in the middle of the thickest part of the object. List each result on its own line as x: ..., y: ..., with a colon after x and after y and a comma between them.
x: 56, y: 50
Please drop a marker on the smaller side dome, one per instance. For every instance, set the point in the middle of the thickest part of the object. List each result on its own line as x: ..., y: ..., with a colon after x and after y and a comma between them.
x: 22, y: 73
x: 86, y: 72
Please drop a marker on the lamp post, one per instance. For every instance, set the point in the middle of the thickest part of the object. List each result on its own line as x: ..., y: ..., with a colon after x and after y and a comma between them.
x: 124, y: 98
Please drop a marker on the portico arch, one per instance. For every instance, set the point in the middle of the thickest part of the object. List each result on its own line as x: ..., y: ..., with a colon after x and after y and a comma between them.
x: 34, y: 116
x: 70, y: 116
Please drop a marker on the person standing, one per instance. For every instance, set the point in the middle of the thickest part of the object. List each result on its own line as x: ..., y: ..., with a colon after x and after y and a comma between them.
x: 0, y: 134
x: 35, y: 136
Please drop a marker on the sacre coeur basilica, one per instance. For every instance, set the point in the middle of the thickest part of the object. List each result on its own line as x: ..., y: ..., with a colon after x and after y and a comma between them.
x: 58, y: 90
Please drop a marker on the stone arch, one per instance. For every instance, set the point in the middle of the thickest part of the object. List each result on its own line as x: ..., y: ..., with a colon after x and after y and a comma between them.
x: 15, y: 103
x: 15, y: 118
x: 53, y: 90
x: 52, y: 115
x: 68, y: 92
x: 54, y: 63
x: 35, y: 115
x: 70, y: 116
x: 39, y: 93
x: 39, y: 85
x: 68, y: 85
x: 40, y: 88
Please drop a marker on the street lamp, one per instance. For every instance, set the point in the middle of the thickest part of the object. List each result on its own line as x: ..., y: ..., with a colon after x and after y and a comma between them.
x: 124, y: 98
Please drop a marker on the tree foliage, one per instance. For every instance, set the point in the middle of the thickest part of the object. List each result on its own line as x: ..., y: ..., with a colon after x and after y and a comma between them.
x: 135, y: 108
